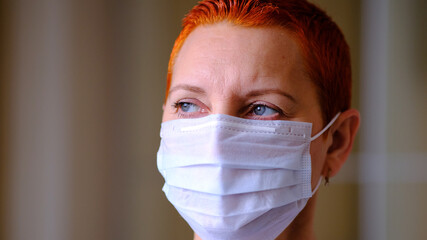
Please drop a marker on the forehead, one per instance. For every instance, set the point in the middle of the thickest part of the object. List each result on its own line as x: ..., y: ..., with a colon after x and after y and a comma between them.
x: 228, y: 60
x: 228, y: 36
x: 223, y: 47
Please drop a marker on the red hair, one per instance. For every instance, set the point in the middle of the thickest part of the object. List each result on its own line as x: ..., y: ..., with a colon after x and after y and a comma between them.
x: 322, y: 45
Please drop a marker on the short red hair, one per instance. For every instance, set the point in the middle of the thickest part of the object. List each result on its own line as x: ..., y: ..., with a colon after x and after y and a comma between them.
x: 322, y: 45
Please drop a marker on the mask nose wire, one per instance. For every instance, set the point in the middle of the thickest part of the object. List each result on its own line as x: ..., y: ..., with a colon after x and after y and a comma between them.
x: 325, y: 128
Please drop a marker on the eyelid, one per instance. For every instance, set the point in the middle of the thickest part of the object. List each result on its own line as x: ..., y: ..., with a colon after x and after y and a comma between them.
x: 279, y: 115
x: 202, y: 112
x: 271, y: 106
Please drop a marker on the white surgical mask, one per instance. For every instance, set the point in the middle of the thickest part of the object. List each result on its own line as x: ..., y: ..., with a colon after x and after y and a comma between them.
x: 234, y: 178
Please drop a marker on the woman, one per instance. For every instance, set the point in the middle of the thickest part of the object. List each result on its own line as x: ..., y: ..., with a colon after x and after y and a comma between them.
x: 257, y: 112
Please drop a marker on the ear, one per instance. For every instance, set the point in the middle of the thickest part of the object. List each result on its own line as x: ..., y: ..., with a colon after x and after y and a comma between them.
x: 343, y: 132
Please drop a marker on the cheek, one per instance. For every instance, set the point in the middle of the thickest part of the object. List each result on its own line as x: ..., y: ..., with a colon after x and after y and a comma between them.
x: 318, y: 157
x: 168, y: 112
x: 167, y: 116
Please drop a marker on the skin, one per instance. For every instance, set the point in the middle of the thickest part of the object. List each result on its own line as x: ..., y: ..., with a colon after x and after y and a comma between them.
x: 257, y: 73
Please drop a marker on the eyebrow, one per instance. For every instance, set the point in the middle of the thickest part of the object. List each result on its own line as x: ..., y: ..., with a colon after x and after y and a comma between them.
x: 261, y: 92
x: 254, y: 93
x: 187, y: 87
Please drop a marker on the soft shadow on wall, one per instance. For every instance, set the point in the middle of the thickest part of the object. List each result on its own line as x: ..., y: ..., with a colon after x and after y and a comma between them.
x: 85, y: 85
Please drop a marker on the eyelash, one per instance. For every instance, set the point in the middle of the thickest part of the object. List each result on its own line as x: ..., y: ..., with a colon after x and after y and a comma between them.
x: 252, y: 107
x: 177, y: 105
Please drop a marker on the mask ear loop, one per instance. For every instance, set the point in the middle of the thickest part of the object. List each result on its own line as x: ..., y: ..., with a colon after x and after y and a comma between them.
x: 325, y: 128
x: 317, y: 186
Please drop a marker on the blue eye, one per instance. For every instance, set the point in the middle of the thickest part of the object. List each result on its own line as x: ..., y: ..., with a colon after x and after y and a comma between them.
x: 188, y: 107
x: 262, y: 110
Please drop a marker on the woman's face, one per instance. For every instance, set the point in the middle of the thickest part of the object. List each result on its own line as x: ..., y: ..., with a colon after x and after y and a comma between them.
x: 247, y: 72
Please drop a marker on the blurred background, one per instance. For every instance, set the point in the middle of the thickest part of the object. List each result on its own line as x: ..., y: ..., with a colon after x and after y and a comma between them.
x: 81, y: 89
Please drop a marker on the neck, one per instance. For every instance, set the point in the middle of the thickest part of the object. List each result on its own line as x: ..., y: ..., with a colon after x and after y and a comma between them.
x: 301, y: 227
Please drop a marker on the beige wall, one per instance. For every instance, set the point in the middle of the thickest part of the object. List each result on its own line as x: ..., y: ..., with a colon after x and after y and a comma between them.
x: 85, y: 89
x: 407, y: 114
x: 4, y: 96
